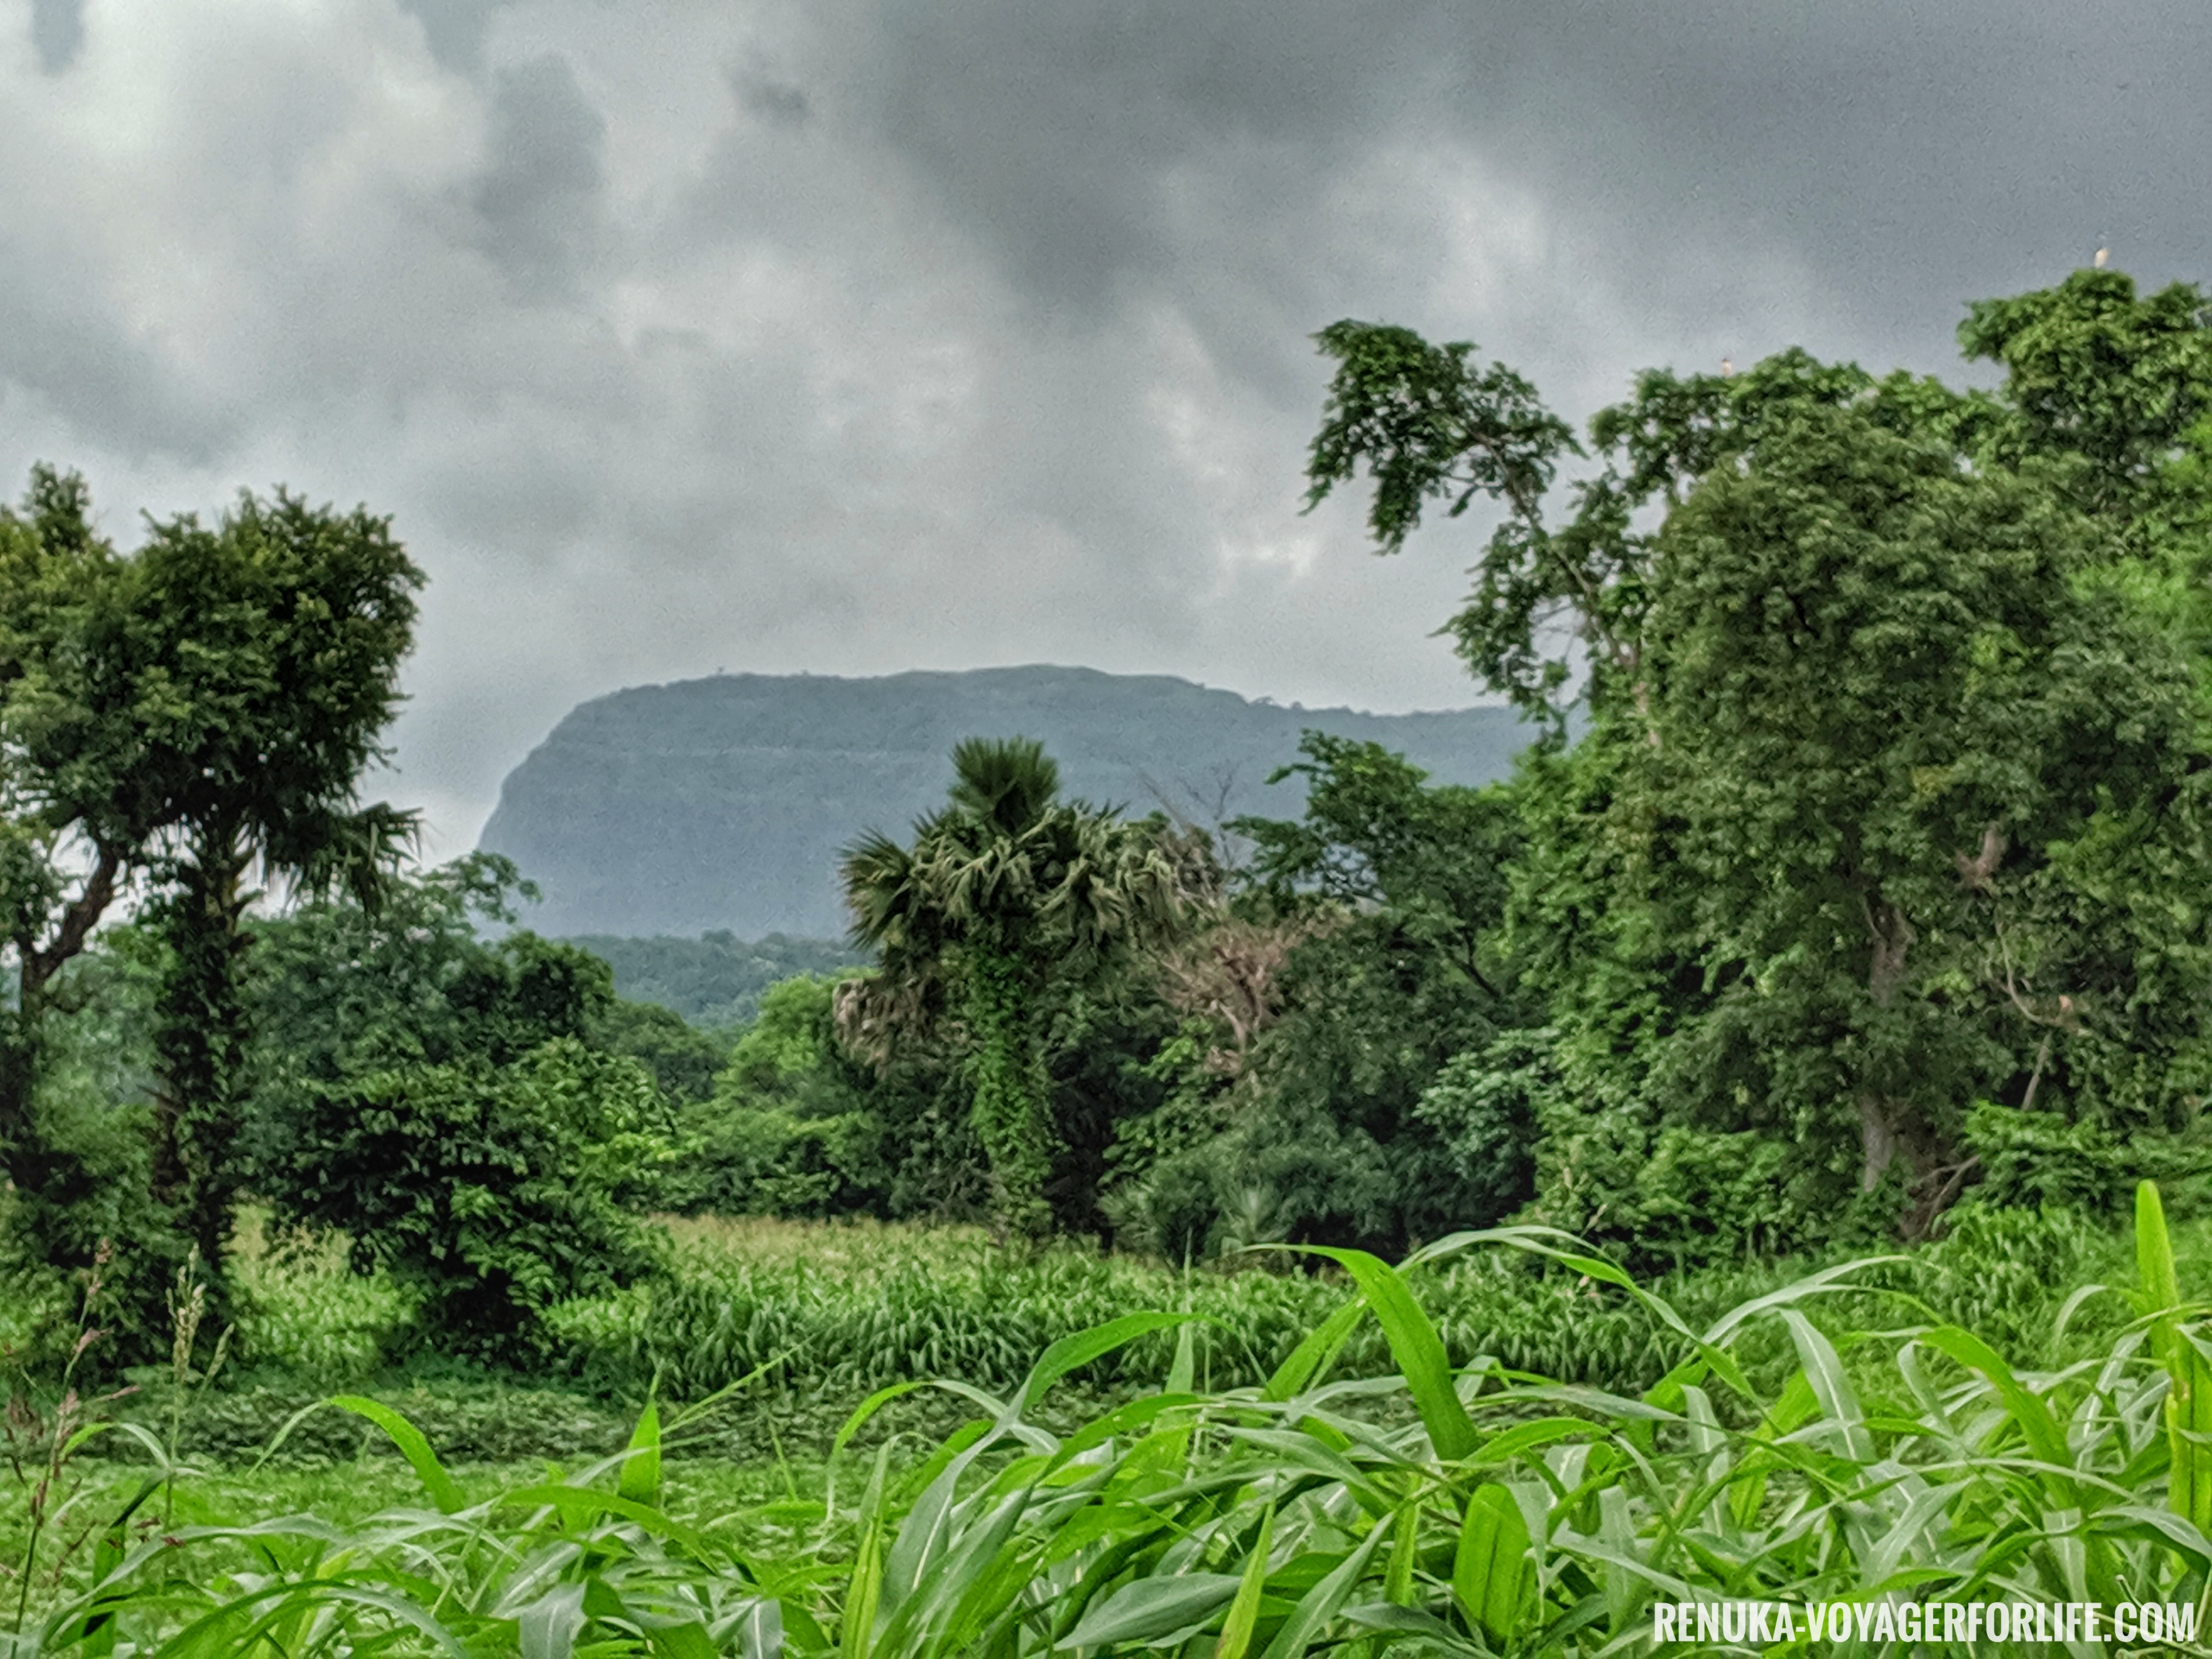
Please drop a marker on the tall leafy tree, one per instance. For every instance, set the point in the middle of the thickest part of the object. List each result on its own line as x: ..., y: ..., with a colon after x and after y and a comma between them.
x: 185, y: 718
x: 73, y: 828
x: 1888, y: 704
x: 1006, y: 888
x: 1891, y: 796
x: 279, y: 631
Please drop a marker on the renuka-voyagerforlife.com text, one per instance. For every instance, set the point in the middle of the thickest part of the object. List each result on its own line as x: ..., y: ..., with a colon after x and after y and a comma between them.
x: 1763, y: 1622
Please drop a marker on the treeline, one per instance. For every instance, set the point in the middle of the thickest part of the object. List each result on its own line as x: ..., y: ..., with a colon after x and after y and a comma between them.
x: 1873, y: 876
x: 1860, y: 866
x: 715, y: 981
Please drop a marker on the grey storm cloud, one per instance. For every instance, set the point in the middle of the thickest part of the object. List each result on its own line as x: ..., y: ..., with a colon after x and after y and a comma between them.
x: 57, y: 32
x: 761, y: 92
x: 862, y: 335
x: 455, y: 30
x: 540, y: 198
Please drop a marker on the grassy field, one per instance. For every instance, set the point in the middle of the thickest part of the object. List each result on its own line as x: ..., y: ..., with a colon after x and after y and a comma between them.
x: 1495, y: 1451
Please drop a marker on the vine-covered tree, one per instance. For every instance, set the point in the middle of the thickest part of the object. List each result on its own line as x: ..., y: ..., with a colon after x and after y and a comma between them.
x: 278, y: 632
x: 177, y: 720
x: 1006, y: 888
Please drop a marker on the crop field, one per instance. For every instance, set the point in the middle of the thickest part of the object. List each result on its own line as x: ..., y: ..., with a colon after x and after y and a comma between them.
x: 1124, y: 1458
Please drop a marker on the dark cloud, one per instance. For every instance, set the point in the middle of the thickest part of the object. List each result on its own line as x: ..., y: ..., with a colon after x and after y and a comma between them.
x: 1910, y: 155
x: 761, y: 92
x: 1054, y: 129
x: 56, y: 32
x: 539, y: 199
x: 865, y: 335
x: 455, y: 30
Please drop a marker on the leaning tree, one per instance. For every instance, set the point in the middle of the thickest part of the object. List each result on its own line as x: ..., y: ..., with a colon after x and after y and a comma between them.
x: 1007, y: 887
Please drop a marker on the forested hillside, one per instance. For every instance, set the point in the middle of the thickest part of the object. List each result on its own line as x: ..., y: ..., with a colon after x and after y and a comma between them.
x: 716, y: 981
x: 721, y: 804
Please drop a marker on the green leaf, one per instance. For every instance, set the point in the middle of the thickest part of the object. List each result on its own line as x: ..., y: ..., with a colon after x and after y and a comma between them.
x: 2046, y: 1439
x: 2161, y: 1285
x: 1824, y: 1371
x: 1414, y: 1345
x: 1073, y: 1352
x: 1184, y: 1369
x: 1311, y: 1357
x: 640, y: 1471
x: 548, y: 1627
x: 1490, y: 1569
x: 683, y: 1642
x: 1244, y: 1612
x: 1321, y: 1603
x: 1154, y: 1612
x: 439, y: 1485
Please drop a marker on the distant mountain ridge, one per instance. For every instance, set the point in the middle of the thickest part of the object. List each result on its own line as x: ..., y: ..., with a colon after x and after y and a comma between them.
x: 722, y: 802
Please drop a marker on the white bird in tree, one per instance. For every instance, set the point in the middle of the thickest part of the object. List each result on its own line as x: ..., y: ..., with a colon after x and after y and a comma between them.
x: 2103, y: 253
x: 1726, y: 368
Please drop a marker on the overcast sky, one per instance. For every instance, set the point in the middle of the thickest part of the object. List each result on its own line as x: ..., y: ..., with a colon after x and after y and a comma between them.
x: 854, y: 336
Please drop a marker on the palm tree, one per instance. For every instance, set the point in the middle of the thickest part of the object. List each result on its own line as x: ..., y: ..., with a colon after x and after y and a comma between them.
x: 1004, y: 888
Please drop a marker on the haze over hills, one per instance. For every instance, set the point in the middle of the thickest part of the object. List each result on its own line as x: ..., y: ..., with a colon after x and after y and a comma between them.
x: 722, y: 802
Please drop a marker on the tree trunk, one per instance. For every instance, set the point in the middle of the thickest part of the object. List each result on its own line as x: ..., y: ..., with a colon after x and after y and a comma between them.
x: 1881, y: 1120
x: 1012, y: 1111
x: 200, y: 1042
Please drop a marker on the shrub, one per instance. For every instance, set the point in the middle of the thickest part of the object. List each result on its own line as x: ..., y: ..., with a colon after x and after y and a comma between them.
x: 487, y: 1195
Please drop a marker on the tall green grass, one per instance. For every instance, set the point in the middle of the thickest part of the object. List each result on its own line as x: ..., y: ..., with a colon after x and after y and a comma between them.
x: 837, y: 1311
x: 1435, y: 1504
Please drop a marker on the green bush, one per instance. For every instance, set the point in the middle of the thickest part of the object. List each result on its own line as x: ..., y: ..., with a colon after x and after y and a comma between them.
x: 488, y: 1196
x: 787, y: 1128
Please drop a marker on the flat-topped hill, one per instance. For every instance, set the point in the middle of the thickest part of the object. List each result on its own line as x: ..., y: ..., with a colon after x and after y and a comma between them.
x: 722, y: 802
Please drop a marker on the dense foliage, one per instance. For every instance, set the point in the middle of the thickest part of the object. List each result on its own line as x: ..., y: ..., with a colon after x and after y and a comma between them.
x: 1005, y: 891
x: 173, y: 722
x: 1861, y: 863
x: 1881, y: 851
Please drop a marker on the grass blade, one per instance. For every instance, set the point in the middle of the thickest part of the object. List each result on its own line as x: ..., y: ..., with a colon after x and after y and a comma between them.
x: 1415, y: 1346
x: 439, y: 1485
x: 1244, y: 1612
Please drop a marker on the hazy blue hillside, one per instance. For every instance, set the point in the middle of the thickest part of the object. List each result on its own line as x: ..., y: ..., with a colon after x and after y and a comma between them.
x: 721, y: 803
x: 716, y: 981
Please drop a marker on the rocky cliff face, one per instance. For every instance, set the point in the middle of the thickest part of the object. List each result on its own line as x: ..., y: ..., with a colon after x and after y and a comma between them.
x: 722, y: 802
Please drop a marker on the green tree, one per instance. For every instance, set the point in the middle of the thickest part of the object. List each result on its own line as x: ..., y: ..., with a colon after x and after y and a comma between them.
x: 74, y: 829
x: 1005, y: 889
x: 1886, y: 703
x: 2112, y: 383
x: 492, y: 1193
x: 450, y: 1104
x: 1890, y: 799
x: 339, y: 991
x: 1390, y: 894
x: 683, y: 1059
x: 178, y: 717
x: 276, y: 634
x: 791, y: 1126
